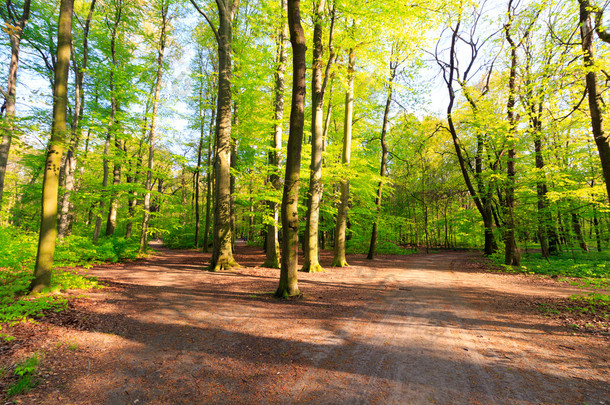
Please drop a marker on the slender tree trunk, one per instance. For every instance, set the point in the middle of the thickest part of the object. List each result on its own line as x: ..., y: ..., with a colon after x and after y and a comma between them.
x: 116, y: 180
x: 15, y: 31
x: 482, y: 200
x: 340, y: 230
x: 288, y: 285
x: 272, y: 245
x: 512, y: 256
x: 153, y: 128
x: 594, y: 95
x: 318, y: 88
x: 50, y: 185
x: 132, y: 200
x: 598, y: 236
x: 578, y: 232
x: 209, y: 180
x: 63, y: 227
x: 384, y: 161
x: 199, y: 155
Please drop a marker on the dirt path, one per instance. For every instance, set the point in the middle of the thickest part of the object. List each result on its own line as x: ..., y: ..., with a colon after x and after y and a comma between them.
x: 414, y: 329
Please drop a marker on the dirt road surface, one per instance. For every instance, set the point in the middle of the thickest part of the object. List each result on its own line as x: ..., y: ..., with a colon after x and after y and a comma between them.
x: 421, y: 329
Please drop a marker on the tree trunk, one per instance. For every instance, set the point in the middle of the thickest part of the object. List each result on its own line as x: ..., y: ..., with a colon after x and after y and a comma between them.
x: 578, y: 232
x: 63, y: 227
x: 512, y: 256
x: 199, y: 155
x: 50, y: 185
x: 272, y: 244
x: 209, y: 180
x: 339, y: 251
x: 384, y: 161
x: 594, y: 95
x: 318, y: 88
x: 153, y: 128
x: 288, y: 285
x: 15, y: 33
x: 222, y: 256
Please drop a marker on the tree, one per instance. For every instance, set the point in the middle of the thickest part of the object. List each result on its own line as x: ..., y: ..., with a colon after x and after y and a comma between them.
x: 14, y: 25
x: 153, y: 125
x: 48, y: 224
x: 594, y: 95
x: 222, y: 256
x: 340, y: 230
x: 318, y: 88
x: 288, y: 285
x: 272, y: 245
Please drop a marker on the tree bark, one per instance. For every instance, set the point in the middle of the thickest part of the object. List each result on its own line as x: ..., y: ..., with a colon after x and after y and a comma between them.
x: 50, y: 185
x: 340, y: 230
x: 79, y: 106
x: 512, y: 256
x: 15, y: 32
x: 384, y: 161
x: 272, y: 244
x: 153, y: 128
x: 578, y: 232
x: 209, y: 179
x: 222, y: 255
x: 288, y: 285
x: 318, y: 88
x: 594, y: 95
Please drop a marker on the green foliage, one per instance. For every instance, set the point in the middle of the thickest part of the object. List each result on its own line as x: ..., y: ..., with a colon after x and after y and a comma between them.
x: 25, y: 372
x: 17, y: 255
x: 592, y: 269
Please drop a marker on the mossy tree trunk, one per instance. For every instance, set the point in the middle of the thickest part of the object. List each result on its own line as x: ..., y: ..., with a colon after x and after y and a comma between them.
x: 341, y: 226
x: 288, y: 285
x: 50, y: 185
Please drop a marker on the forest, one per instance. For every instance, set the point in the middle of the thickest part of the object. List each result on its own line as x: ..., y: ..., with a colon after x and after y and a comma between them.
x: 317, y: 132
x: 436, y: 125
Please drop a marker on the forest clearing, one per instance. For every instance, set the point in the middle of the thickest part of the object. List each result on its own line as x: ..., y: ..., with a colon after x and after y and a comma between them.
x: 435, y: 328
x: 304, y: 201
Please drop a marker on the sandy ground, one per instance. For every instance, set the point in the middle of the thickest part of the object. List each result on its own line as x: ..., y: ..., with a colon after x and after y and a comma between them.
x: 421, y: 329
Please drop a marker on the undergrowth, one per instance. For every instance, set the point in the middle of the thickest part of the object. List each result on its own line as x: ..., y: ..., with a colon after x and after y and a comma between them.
x: 590, y: 270
x: 17, y: 259
x: 25, y: 372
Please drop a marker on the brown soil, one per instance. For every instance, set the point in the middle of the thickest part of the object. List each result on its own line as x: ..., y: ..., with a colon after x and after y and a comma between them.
x: 414, y: 329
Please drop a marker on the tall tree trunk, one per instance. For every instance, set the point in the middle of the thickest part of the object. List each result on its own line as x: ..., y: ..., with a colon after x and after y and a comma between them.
x: 199, y: 156
x: 482, y: 198
x: 15, y: 31
x: 272, y: 245
x: 384, y: 161
x: 63, y: 227
x: 132, y: 199
x: 512, y: 256
x: 153, y: 127
x: 318, y: 88
x: 288, y: 285
x: 50, y: 185
x: 209, y: 179
x: 594, y: 95
x: 222, y: 255
x: 339, y: 250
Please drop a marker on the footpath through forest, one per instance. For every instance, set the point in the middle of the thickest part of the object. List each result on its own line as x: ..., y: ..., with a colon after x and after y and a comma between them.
x: 398, y: 330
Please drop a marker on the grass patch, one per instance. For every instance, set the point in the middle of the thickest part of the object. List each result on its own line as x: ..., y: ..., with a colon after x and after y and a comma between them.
x: 25, y: 372
x: 592, y: 269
